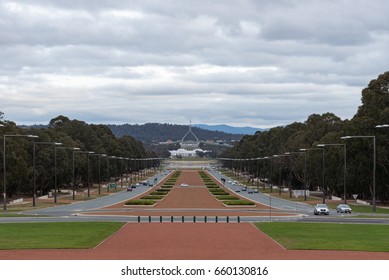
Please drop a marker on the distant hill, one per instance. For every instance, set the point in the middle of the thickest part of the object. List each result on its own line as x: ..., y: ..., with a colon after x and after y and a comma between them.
x: 230, y: 129
x: 156, y: 132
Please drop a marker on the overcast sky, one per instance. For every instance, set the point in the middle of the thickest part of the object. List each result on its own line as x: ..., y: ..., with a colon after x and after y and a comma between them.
x: 245, y: 63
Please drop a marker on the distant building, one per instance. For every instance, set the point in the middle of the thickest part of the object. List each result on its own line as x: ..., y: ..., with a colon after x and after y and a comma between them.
x: 189, y: 148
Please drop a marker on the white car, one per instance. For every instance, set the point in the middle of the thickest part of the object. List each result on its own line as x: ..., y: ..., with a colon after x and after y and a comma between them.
x: 184, y: 185
x: 321, y: 209
x: 343, y: 208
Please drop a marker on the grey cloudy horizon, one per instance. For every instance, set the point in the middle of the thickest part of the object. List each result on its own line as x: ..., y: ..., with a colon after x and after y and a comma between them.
x: 242, y: 63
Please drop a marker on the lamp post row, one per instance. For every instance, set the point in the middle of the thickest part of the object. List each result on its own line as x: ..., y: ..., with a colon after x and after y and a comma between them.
x: 56, y: 146
x: 321, y: 147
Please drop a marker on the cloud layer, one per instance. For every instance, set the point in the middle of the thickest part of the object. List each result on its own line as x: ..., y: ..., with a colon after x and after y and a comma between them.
x: 259, y: 63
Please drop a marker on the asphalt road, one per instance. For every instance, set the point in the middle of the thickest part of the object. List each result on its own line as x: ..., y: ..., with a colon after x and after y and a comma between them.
x: 93, y: 204
x: 265, y: 199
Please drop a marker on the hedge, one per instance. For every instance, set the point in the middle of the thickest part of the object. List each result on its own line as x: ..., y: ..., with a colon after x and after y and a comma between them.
x: 218, y: 192
x: 140, y: 202
x: 153, y: 197
x: 238, y: 202
x: 226, y: 197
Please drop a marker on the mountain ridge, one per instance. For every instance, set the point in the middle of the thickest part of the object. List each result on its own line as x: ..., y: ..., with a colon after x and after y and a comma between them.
x: 230, y: 129
x: 156, y: 132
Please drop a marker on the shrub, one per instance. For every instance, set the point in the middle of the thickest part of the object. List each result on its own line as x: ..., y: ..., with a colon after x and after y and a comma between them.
x: 213, y: 187
x: 226, y: 197
x: 238, y: 202
x: 153, y: 197
x: 160, y: 192
x: 140, y: 202
x: 218, y: 192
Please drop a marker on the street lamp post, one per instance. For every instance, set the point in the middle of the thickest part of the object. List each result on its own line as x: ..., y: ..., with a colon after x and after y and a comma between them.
x: 121, y: 171
x: 345, y: 166
x: 56, y: 183
x: 288, y: 176
x: 109, y: 177
x: 88, y: 176
x: 305, y: 170
x: 99, y: 155
x: 34, y: 167
x: 374, y: 162
x: 74, y: 182
x: 310, y: 149
x: 4, y: 166
x: 75, y: 150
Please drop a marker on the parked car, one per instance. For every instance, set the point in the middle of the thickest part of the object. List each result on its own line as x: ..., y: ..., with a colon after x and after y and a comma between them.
x: 256, y: 191
x: 343, y: 208
x: 321, y: 209
x: 250, y: 190
x: 237, y: 190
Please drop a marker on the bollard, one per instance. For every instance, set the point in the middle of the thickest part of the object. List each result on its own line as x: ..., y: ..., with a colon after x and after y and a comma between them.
x: 160, y: 219
x: 216, y: 219
x: 194, y: 219
x: 183, y: 219
x: 205, y: 219
x: 238, y: 219
x: 138, y: 219
x: 228, y: 219
x: 171, y: 219
x: 149, y: 219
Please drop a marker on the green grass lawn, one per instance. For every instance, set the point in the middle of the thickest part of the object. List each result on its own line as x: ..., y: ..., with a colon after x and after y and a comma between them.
x: 328, y: 236
x: 60, y: 235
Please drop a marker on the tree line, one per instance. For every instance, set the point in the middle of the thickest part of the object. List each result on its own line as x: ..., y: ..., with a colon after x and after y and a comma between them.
x: 72, y: 134
x: 325, y: 129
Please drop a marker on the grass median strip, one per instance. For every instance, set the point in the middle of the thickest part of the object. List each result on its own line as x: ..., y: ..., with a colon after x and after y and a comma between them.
x: 328, y: 236
x: 61, y: 235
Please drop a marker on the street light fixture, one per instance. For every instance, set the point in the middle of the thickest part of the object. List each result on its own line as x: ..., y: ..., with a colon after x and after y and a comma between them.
x: 34, y: 169
x: 109, y: 177
x: 302, y: 151
x: 99, y: 155
x: 310, y: 149
x: 74, y: 183
x: 4, y: 165
x: 382, y: 126
x: 56, y: 184
x: 374, y: 161
x: 345, y: 166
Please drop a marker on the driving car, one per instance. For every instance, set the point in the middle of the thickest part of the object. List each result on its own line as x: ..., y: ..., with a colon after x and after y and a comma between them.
x: 321, y: 209
x: 343, y: 208
x: 129, y: 189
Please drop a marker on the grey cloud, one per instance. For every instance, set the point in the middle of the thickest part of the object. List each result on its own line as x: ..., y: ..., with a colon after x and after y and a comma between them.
x: 262, y: 63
